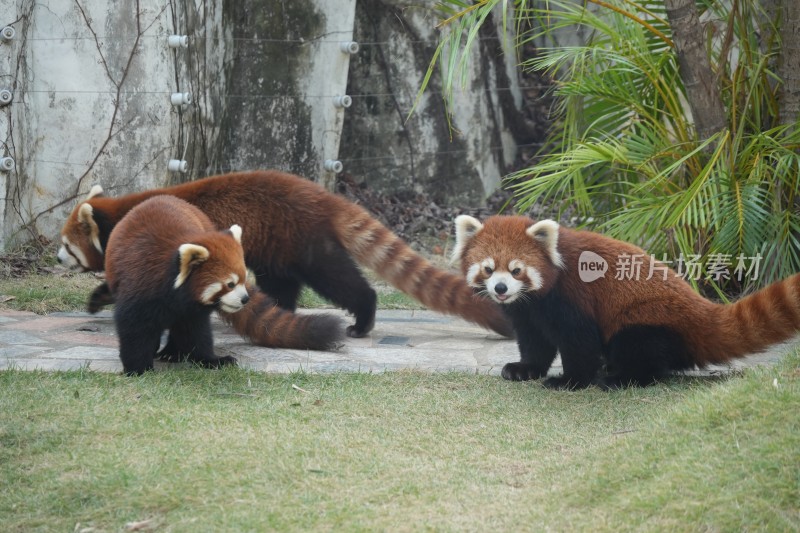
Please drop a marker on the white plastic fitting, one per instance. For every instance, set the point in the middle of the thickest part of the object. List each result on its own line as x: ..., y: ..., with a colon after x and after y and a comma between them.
x: 349, y: 47
x: 8, y: 33
x: 178, y: 41
x: 333, y: 165
x: 177, y: 165
x: 343, y: 100
x: 180, y: 98
x: 7, y: 164
x: 5, y: 97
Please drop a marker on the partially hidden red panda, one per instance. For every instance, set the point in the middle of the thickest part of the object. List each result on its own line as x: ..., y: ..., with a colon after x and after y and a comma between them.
x: 167, y: 267
x: 297, y: 234
x: 640, y: 329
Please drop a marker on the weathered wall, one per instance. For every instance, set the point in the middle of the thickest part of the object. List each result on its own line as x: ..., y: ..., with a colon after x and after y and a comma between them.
x: 91, y: 96
x: 92, y: 81
x: 265, y: 75
x: 389, y: 150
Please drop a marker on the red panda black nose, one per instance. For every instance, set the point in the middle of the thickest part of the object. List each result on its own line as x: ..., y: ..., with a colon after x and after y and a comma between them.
x: 500, y: 288
x: 245, y: 299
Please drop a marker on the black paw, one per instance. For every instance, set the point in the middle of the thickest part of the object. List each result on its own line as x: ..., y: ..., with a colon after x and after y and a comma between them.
x: 138, y: 371
x: 356, y: 333
x: 99, y: 298
x: 521, y: 372
x: 565, y: 383
x: 170, y: 354
x: 219, y: 362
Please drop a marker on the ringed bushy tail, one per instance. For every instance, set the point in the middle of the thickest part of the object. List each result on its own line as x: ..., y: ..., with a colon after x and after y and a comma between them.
x: 376, y: 247
x: 750, y: 325
x: 263, y: 323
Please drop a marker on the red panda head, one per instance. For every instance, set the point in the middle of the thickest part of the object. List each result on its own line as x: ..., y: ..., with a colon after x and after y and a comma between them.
x: 508, y: 257
x: 80, y: 237
x: 212, y: 268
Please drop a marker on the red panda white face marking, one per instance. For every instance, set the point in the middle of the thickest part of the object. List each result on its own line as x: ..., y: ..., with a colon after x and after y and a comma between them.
x: 71, y: 256
x: 505, y: 284
x: 508, y: 257
x: 215, y: 286
x: 81, y: 231
x: 233, y: 294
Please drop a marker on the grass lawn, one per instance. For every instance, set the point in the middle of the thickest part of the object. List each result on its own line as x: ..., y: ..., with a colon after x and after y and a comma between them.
x: 236, y: 450
x: 46, y: 294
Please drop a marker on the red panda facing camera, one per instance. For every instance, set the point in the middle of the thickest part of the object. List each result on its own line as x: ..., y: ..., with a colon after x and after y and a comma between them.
x: 167, y: 267
x: 638, y: 329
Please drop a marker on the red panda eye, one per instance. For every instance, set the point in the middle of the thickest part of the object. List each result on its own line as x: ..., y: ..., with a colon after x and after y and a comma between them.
x: 488, y: 271
x: 516, y: 272
x: 231, y: 284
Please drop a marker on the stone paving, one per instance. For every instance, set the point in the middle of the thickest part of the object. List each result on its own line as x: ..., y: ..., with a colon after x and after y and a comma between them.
x: 420, y: 340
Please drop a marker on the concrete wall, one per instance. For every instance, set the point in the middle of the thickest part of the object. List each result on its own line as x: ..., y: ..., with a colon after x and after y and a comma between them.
x: 387, y: 149
x: 265, y: 74
x: 91, y: 100
x: 92, y: 81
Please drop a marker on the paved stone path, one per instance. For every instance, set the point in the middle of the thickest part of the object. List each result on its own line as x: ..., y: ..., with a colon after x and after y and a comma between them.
x: 420, y: 340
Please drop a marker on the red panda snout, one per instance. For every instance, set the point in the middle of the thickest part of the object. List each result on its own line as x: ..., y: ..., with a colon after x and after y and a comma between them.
x: 81, y: 248
x: 228, y: 294
x: 72, y: 256
x: 235, y: 299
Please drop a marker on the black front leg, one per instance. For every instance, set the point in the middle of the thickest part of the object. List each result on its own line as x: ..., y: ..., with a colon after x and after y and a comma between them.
x: 536, y: 353
x: 191, y: 339
x: 179, y: 344
x: 138, y: 338
x: 99, y: 298
x: 284, y: 290
x: 581, y: 364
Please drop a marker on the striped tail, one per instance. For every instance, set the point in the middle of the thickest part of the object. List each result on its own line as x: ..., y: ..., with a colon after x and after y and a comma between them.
x: 757, y: 321
x: 263, y: 323
x: 377, y: 248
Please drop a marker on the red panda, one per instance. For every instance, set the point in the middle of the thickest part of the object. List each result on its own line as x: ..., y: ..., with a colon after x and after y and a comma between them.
x: 168, y: 268
x: 641, y: 329
x: 297, y: 234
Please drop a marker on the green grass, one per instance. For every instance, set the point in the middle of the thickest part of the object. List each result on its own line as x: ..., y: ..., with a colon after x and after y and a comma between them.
x: 234, y: 450
x: 47, y: 294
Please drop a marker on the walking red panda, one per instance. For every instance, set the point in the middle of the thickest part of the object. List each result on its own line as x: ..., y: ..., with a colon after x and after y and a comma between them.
x: 297, y: 234
x: 168, y: 268
x: 641, y: 329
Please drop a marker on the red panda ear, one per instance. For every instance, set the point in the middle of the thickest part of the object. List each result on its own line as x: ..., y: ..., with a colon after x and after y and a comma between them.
x: 191, y: 256
x: 466, y: 228
x: 86, y: 216
x: 236, y: 231
x: 546, y: 233
x: 96, y: 190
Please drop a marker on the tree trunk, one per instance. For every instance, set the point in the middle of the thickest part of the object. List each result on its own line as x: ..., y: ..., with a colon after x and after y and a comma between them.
x: 699, y: 79
x: 789, y: 66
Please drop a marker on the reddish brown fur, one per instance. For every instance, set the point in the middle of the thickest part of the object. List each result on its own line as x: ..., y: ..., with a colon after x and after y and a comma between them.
x: 713, y: 333
x: 134, y: 267
x: 282, y: 214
